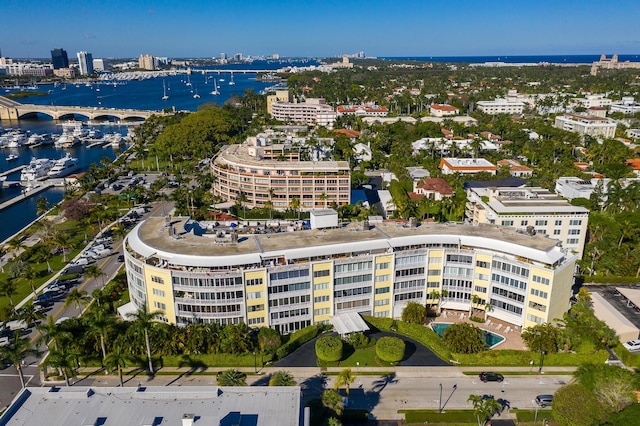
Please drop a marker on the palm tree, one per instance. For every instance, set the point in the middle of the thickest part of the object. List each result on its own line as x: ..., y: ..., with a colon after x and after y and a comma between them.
x: 484, y: 408
x: 30, y: 315
x: 344, y: 378
x: 488, y: 307
x: 333, y: 401
x: 282, y: 378
x: 116, y: 359
x: 232, y: 377
x: 99, y: 325
x: 65, y: 362
x: 324, y: 197
x: 144, y: 321
x: 77, y: 298
x: 15, y: 244
x: 475, y: 299
x: 52, y: 332
x: 62, y: 240
x: 94, y: 272
x: 8, y: 289
x: 16, y: 351
x: 294, y: 204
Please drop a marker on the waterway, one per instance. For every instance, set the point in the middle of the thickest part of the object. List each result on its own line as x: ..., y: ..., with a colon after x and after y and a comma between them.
x: 143, y: 94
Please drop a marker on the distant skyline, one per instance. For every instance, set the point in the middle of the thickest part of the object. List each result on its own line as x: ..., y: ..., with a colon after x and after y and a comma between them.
x: 313, y: 28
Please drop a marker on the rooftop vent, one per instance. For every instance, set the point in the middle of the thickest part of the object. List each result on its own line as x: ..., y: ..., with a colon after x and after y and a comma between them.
x: 188, y: 419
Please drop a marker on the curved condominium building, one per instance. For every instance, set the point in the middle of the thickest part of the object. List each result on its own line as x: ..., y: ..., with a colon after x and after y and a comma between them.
x: 196, y: 272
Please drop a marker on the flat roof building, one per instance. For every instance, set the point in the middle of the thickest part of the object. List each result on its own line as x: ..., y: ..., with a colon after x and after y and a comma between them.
x: 443, y: 110
x: 586, y: 125
x: 500, y: 106
x: 451, y: 166
x: 156, y: 405
x: 313, y: 112
x: 529, y: 209
x: 203, y: 272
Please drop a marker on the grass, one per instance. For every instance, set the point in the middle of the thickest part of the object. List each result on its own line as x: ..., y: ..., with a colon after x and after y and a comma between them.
x: 514, y: 358
x: 526, y: 417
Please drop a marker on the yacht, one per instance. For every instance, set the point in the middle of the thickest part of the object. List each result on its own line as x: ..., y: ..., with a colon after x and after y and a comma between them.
x: 67, y: 140
x: 12, y: 157
x: 77, y: 128
x: 94, y: 134
x: 196, y: 96
x: 63, y: 167
x: 13, y: 139
x: 38, y: 139
x: 37, y: 168
x: 114, y: 139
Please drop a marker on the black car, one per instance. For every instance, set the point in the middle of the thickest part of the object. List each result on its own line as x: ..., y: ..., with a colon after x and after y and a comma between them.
x: 488, y: 376
x: 121, y: 258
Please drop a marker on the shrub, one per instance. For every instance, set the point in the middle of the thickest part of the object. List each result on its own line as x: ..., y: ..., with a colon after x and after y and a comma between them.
x: 357, y: 340
x: 329, y: 348
x: 269, y: 339
x: 464, y: 338
x: 390, y: 349
x: 414, y: 312
x: 298, y: 339
x: 574, y: 404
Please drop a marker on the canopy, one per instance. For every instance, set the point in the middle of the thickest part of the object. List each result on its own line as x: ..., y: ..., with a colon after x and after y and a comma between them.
x: 347, y: 323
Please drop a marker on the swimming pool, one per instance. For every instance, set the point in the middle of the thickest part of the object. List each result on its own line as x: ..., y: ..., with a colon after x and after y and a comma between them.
x: 491, y: 339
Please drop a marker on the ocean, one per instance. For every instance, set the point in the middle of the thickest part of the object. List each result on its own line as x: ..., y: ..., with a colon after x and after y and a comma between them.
x: 516, y: 59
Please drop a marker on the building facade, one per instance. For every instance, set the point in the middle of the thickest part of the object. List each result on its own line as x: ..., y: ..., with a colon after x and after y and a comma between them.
x: 529, y: 209
x: 289, y: 280
x: 276, y: 173
x: 586, y: 125
x: 443, y: 110
x: 147, y: 62
x: 313, y: 112
x: 59, y: 59
x: 366, y: 110
x: 85, y: 63
x: 500, y: 106
x: 469, y: 166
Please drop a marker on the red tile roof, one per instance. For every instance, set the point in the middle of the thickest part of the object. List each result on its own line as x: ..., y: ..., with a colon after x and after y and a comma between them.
x: 348, y: 133
x: 436, y: 184
x: 444, y: 107
x: 634, y: 163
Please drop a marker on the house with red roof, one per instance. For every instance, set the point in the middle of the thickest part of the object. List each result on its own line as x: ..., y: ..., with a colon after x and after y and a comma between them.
x: 443, y: 110
x: 515, y: 168
x: 433, y: 189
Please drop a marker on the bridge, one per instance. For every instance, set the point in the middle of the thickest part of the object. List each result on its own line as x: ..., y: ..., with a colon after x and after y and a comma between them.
x: 12, y: 110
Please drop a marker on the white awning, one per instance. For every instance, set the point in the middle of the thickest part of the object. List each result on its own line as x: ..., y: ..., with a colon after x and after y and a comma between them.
x: 126, y: 309
x: 608, y: 313
x: 347, y: 323
x: 631, y: 295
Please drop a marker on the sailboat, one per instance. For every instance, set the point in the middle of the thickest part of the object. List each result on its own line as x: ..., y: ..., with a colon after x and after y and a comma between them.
x: 164, y: 88
x: 231, y: 83
x: 196, y: 96
x: 188, y: 83
x: 215, y: 88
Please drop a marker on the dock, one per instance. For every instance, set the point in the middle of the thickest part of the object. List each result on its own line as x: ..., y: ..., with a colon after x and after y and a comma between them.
x: 15, y: 169
x: 26, y: 194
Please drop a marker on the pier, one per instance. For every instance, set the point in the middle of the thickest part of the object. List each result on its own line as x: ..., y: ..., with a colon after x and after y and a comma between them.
x: 26, y: 194
x: 15, y: 169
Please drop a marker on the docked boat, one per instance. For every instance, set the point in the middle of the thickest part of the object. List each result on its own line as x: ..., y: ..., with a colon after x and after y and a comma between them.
x: 76, y: 128
x: 94, y: 134
x: 13, y: 139
x: 64, y: 166
x: 38, y: 139
x: 215, y: 90
x: 67, y: 140
x: 12, y: 157
x: 37, y: 168
x: 114, y: 139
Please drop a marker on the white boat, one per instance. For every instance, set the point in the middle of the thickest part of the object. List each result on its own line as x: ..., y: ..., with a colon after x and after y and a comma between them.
x: 164, y: 88
x: 12, y: 157
x: 94, y: 133
x: 37, y: 168
x: 67, y: 140
x: 63, y: 167
x: 113, y: 139
x: 231, y: 82
x: 77, y: 128
x: 215, y: 88
x: 13, y: 139
x: 196, y: 96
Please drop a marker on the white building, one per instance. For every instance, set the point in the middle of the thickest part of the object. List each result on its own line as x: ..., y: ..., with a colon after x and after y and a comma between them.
x: 451, y: 166
x: 529, y: 209
x: 500, y: 106
x: 85, y: 63
x: 313, y: 112
x: 443, y: 110
x: 627, y: 105
x: 595, y: 100
x: 515, y: 168
x: 365, y: 110
x: 586, y: 125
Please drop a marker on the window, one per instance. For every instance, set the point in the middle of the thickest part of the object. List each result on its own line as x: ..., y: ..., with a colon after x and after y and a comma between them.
x: 320, y: 299
x: 254, y: 281
x: 383, y: 265
x: 435, y: 260
x: 383, y: 278
x: 322, y: 311
x: 559, y: 222
x: 460, y: 258
x: 158, y: 292
x: 479, y: 289
x: 433, y: 284
x: 322, y: 273
x: 289, y: 274
x: 537, y: 306
x: 539, y: 293
x: 572, y: 241
x: 353, y: 279
x: 482, y: 264
x: 352, y: 267
x: 484, y: 277
x: 381, y: 302
x: 507, y: 223
x: 159, y: 305
x: 255, y: 308
x: 255, y: 321
x: 320, y: 286
x: 535, y: 319
x: 409, y: 272
x: 575, y: 222
x: 433, y: 272
x: 255, y: 295
x: 556, y: 231
x: 524, y: 223
x: 382, y: 290
x: 541, y: 280
x: 541, y: 223
x: 574, y: 232
x: 382, y: 314
x: 157, y: 279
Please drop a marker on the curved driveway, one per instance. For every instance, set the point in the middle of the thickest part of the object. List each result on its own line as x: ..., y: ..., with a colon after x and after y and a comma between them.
x: 416, y: 354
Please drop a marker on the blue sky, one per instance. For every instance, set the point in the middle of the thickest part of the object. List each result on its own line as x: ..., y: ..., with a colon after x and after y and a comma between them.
x: 187, y: 28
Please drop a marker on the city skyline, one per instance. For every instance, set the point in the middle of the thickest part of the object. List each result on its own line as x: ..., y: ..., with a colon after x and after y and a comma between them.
x: 314, y: 28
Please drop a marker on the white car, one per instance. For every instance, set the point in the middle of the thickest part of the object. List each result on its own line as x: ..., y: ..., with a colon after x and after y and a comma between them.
x: 632, y: 345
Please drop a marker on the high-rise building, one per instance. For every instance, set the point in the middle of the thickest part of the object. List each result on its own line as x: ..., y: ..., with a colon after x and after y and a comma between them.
x: 59, y: 59
x: 100, y: 65
x: 223, y: 56
x: 85, y: 63
x: 237, y: 57
x: 147, y: 62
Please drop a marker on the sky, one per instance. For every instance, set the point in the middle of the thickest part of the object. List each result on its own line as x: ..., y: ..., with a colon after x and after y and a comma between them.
x: 318, y: 28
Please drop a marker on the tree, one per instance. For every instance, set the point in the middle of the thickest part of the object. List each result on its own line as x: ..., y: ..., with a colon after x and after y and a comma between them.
x: 17, y: 350
x: 464, y: 338
x: 484, y: 408
x: 30, y: 315
x: 269, y: 339
x: 94, y: 272
x: 77, y: 298
x: 9, y: 289
x: 344, y: 378
x: 232, y: 377
x: 282, y: 378
x: 144, y: 321
x: 541, y: 337
x: 52, y: 332
x: 294, y: 205
x: 333, y: 401
x: 42, y: 205
x: 99, y: 325
x: 575, y: 405
x: 390, y: 349
x: 614, y: 386
x: 414, y: 312
x: 329, y: 348
x: 116, y: 359
x: 64, y: 361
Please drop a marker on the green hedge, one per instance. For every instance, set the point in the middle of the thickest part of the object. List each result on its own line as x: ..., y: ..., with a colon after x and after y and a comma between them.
x: 422, y: 334
x: 607, y: 279
x: 432, y: 416
x: 629, y: 359
x: 329, y: 348
x: 512, y: 357
x: 298, y: 339
x: 390, y: 349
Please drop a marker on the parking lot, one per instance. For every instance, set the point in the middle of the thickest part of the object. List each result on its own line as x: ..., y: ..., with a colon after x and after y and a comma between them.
x: 618, y: 301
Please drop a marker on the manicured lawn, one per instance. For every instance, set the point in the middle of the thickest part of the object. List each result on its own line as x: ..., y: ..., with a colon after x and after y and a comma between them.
x: 528, y: 416
x: 458, y: 417
x: 522, y: 358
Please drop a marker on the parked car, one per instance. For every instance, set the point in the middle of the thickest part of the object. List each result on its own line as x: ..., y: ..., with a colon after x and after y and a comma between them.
x: 488, y: 376
x: 17, y: 325
x: 544, y: 400
x: 121, y: 258
x: 4, y: 341
x: 74, y: 269
x: 632, y: 345
x: 41, y: 305
x: 44, y: 297
x: 55, y: 288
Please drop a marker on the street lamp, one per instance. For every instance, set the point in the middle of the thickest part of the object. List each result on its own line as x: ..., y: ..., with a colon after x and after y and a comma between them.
x: 440, y: 400
x: 441, y: 406
x: 542, y: 354
x: 255, y: 365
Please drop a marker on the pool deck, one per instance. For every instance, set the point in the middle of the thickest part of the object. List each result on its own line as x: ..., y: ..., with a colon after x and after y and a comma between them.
x: 513, y: 340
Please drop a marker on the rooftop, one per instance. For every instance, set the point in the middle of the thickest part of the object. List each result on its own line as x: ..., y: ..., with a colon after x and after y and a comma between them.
x: 107, y: 406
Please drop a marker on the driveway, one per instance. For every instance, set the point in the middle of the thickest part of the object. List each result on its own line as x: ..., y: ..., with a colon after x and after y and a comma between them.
x: 416, y: 355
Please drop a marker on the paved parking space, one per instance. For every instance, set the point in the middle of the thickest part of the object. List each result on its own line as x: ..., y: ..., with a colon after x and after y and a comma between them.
x: 618, y: 301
